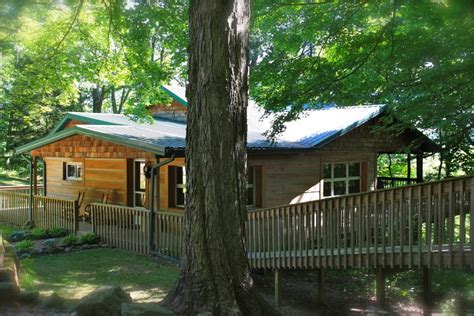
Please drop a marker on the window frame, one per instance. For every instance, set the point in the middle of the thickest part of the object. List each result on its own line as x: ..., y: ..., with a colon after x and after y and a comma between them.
x: 251, y: 185
x: 346, y: 179
x: 73, y: 164
x: 179, y: 186
x: 139, y: 191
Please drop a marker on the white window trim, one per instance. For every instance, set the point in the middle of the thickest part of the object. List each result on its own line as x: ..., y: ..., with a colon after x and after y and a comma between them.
x: 135, y: 192
x: 180, y: 186
x: 345, y: 179
x: 252, y: 185
x: 71, y: 178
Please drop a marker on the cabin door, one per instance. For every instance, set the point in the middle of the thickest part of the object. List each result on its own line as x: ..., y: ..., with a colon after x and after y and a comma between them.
x: 139, y: 183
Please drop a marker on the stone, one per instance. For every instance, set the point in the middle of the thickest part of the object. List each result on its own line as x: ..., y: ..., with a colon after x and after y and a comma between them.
x: 146, y: 309
x: 54, y: 301
x: 8, y: 291
x: 106, y: 300
x: 28, y: 297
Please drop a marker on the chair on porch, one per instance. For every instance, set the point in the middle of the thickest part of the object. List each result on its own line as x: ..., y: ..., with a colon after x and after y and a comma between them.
x: 69, y: 213
x: 87, y: 210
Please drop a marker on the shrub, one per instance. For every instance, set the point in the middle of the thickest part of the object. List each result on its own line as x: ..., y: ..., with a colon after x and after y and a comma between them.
x: 25, y: 246
x: 38, y: 233
x: 18, y: 235
x: 70, y: 240
x: 56, y: 232
x: 88, y: 239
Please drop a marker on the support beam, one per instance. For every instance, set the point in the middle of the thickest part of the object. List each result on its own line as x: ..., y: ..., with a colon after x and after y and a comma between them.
x: 321, y: 286
x: 419, y: 167
x: 409, y: 166
x: 380, y: 286
x: 427, y: 291
x: 277, y: 285
x: 35, y: 175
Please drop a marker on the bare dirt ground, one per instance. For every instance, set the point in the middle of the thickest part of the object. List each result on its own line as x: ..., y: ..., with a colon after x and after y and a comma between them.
x: 343, y: 296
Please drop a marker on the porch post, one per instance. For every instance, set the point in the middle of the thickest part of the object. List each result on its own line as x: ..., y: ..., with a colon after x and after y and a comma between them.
x: 419, y: 167
x: 30, y: 198
x: 409, y: 166
x: 151, y: 217
x: 35, y: 175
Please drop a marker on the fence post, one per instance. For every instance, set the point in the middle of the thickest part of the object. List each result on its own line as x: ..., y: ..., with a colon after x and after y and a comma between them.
x: 76, y: 217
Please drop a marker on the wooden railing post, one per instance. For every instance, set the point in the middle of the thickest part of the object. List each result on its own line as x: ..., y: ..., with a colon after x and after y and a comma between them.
x: 76, y: 217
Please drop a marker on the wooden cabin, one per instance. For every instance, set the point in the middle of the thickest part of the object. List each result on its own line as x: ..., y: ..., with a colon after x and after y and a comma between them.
x: 327, y: 152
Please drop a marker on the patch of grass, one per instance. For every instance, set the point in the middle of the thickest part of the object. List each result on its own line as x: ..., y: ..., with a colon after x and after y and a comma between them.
x: 6, y: 229
x: 11, y: 177
x: 74, y: 275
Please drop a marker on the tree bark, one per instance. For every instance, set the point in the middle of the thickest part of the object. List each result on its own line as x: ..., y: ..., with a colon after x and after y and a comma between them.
x: 98, y: 95
x: 215, y: 276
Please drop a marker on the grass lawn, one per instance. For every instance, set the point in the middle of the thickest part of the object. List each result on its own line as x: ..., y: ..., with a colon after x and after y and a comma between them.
x: 74, y: 275
x: 9, y: 177
x: 6, y: 229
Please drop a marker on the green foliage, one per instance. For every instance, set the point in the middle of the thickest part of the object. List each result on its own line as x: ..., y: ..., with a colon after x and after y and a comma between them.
x: 83, y: 56
x: 414, y: 56
x: 38, y: 233
x: 55, y: 232
x: 88, y: 239
x: 24, y: 246
x: 70, y: 240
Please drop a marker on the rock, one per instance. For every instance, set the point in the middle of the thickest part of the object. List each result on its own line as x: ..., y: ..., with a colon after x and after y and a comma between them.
x: 105, y: 245
x: 54, y: 301
x: 29, y: 225
x: 106, y: 300
x: 147, y: 309
x: 8, y: 291
x: 68, y: 249
x: 28, y: 297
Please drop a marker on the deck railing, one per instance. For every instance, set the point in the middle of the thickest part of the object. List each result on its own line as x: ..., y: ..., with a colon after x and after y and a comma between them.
x: 393, y: 182
x: 14, y: 207
x: 24, y: 189
x: 427, y: 224
x: 51, y: 212
x: 47, y: 212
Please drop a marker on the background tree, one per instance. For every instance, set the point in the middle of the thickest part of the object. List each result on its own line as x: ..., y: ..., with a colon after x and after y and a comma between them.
x: 215, y: 276
x: 417, y: 57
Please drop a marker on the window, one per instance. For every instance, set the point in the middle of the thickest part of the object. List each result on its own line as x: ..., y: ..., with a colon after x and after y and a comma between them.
x: 180, y: 192
x: 251, y: 186
x: 177, y: 186
x: 139, y: 183
x: 73, y: 171
x: 341, y: 178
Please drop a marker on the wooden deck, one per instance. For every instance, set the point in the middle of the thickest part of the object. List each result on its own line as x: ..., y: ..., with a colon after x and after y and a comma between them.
x: 423, y: 225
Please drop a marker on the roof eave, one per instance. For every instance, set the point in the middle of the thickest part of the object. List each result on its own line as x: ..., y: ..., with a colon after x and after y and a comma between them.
x: 51, y: 138
x: 72, y: 116
x: 175, y: 96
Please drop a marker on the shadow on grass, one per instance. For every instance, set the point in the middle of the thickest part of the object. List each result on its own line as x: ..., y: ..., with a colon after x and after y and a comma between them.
x: 74, y: 275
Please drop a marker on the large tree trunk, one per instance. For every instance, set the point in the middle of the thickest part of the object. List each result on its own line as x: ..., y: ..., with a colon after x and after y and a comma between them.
x: 215, y: 275
x: 98, y: 95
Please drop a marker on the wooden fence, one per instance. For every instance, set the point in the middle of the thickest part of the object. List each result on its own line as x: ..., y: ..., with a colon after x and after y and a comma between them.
x: 428, y: 224
x: 51, y: 212
x: 24, y: 189
x: 123, y: 227
x: 129, y: 229
x: 14, y: 207
x: 47, y: 211
x: 169, y: 235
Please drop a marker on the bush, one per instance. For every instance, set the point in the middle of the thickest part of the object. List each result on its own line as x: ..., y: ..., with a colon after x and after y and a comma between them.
x: 18, y: 235
x: 88, y: 239
x: 25, y: 246
x: 56, y: 232
x: 38, y: 233
x: 70, y: 240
